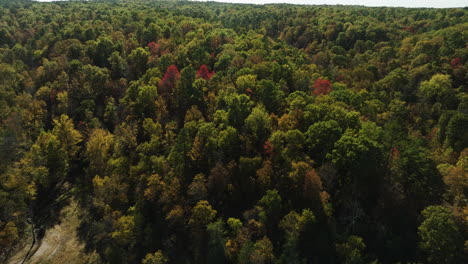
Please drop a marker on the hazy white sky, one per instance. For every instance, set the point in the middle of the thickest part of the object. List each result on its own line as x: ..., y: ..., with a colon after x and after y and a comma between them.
x: 405, y: 3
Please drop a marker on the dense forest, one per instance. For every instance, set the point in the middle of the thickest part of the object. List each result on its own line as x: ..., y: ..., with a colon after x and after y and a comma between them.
x: 223, y: 133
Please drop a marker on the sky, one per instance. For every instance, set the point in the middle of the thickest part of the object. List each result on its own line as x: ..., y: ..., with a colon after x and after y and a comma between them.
x: 400, y: 3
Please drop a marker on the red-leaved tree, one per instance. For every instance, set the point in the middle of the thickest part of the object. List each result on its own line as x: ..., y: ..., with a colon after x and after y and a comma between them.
x: 166, y: 85
x: 322, y: 86
x: 154, y: 48
x: 456, y: 62
x: 268, y: 148
x: 204, y: 73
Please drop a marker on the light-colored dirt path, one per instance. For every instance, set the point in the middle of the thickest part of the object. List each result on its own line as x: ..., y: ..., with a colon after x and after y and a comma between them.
x: 59, y: 245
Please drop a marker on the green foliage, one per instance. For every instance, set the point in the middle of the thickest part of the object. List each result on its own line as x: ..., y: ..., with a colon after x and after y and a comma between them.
x: 437, y: 89
x: 357, y: 114
x: 137, y: 61
x: 270, y: 204
x: 440, y: 236
x: 258, y: 125
x: 321, y: 137
x: 456, y: 132
x: 293, y: 226
x: 351, y: 250
x: 352, y: 150
x: 216, y: 242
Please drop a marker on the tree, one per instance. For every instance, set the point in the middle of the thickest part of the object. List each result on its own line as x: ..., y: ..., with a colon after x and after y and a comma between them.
x: 457, y: 134
x: 396, y: 81
x: 216, y: 241
x: 218, y: 181
x: 124, y: 233
x: 420, y: 179
x: 352, y: 149
x: 145, y: 103
x: 356, y: 114
x: 271, y: 95
x: 239, y: 107
x: 187, y: 94
x: 138, y: 61
x: 67, y: 135
x: 351, y: 251
x: 202, y: 215
x: 321, y: 137
x: 258, y: 125
x: 313, y: 191
x: 152, y: 32
x: 264, y: 175
x: 246, y: 83
x: 271, y: 206
x: 104, y: 49
x: 440, y: 237
x: 155, y: 258
x: 455, y: 177
x: 262, y: 252
x: 197, y: 190
x: 293, y: 225
x: 98, y: 150
x: 294, y: 143
x: 8, y: 234
x: 167, y: 83
x: 322, y: 86
x: 247, y: 168
x: 204, y: 73
x: 118, y: 66
x: 437, y: 89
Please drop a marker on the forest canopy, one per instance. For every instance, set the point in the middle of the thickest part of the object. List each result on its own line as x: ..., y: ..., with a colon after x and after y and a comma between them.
x: 193, y: 132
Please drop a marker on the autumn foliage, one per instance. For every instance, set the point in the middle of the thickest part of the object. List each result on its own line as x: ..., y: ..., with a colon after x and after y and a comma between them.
x: 204, y: 73
x: 154, y: 48
x: 268, y: 148
x: 167, y: 83
x: 456, y: 62
x: 338, y: 136
x: 322, y: 86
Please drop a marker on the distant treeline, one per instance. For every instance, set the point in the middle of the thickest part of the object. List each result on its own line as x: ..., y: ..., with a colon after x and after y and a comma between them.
x: 219, y: 133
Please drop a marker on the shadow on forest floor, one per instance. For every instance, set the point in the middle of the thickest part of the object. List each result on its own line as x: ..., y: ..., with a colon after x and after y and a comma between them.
x: 59, y: 244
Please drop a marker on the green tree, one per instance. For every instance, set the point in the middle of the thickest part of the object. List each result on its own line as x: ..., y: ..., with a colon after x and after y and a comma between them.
x: 138, y: 62
x: 271, y: 95
x: 440, y: 236
x: 351, y: 251
x: 258, y: 126
x: 145, y: 104
x: 293, y: 226
x: 457, y: 132
x: 104, y: 49
x: 118, y: 66
x: 186, y: 93
x: 239, y: 107
x: 321, y: 137
x: 270, y: 205
x: 437, y: 89
x: 216, y: 241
